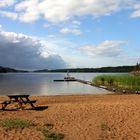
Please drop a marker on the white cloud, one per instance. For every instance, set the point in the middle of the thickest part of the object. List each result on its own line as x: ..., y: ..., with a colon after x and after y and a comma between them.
x: 59, y: 11
x: 22, y: 51
x: 11, y: 15
x: 28, y: 10
x: 4, y: 3
x: 1, y: 27
x: 75, y: 22
x: 46, y: 26
x: 75, y: 31
x: 29, y: 17
x: 107, y: 48
x: 136, y: 12
x: 72, y: 27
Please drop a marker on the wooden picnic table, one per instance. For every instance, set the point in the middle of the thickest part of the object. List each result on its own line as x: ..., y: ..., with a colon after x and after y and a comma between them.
x: 20, y: 99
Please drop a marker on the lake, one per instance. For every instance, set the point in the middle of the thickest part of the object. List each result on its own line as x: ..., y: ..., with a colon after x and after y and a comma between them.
x: 43, y: 84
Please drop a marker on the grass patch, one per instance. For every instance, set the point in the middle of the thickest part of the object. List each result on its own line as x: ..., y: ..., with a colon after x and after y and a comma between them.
x: 51, y: 135
x: 104, y: 126
x: 21, y: 124
x: 16, y: 123
x: 119, y: 81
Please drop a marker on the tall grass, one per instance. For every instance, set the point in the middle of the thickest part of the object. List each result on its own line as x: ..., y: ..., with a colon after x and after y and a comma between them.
x: 121, y: 81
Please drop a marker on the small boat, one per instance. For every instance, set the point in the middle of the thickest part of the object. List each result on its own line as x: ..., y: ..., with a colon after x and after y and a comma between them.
x: 68, y: 77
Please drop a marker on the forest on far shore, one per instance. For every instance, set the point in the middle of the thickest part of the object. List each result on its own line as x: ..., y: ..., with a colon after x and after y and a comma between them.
x: 117, y: 69
x: 102, y: 69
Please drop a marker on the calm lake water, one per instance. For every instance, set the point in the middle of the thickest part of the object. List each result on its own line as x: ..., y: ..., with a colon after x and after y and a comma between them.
x: 43, y: 84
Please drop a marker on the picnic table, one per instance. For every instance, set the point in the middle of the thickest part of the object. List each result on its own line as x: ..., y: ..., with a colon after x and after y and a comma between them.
x: 20, y: 99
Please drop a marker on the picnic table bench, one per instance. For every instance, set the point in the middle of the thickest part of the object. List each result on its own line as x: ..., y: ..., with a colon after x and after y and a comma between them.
x: 20, y: 99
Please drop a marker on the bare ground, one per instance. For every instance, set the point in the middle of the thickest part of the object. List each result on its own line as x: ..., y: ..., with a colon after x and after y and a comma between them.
x: 89, y: 117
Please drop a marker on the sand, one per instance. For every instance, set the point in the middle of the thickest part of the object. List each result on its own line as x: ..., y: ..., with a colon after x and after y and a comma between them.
x: 86, y: 117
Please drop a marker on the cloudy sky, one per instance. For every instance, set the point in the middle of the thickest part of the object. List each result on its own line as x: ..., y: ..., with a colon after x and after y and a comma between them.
x: 36, y: 34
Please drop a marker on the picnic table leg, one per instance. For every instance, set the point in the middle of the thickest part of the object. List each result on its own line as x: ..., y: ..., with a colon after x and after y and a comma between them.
x: 4, y: 106
x: 20, y: 105
x: 28, y: 100
x: 32, y: 104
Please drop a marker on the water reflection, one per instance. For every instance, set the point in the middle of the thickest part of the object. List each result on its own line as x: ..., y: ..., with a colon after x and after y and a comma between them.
x: 43, y: 84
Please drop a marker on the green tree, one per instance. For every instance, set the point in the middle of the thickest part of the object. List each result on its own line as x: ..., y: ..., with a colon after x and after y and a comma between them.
x: 137, y: 68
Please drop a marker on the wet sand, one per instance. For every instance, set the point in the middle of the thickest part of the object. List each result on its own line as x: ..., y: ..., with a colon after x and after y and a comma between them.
x: 86, y: 117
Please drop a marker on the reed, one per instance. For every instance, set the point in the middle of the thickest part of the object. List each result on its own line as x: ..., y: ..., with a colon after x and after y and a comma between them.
x: 120, y: 81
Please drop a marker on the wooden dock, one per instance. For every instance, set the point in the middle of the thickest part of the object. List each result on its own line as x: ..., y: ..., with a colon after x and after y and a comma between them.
x: 80, y: 81
x: 90, y: 83
x: 109, y: 88
x: 65, y: 80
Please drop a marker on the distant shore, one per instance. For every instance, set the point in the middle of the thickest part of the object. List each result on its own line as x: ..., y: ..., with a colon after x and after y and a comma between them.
x: 82, y: 117
x: 117, y: 69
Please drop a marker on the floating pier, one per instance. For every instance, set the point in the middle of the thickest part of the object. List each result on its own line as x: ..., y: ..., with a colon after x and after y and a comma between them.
x: 109, y: 88
x: 90, y: 83
x: 80, y: 81
x: 65, y: 80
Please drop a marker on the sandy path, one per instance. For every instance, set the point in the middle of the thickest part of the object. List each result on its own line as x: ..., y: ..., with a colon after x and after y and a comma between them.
x: 91, y: 117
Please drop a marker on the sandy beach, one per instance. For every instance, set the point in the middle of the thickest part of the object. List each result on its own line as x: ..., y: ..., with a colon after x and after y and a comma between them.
x: 85, y: 117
